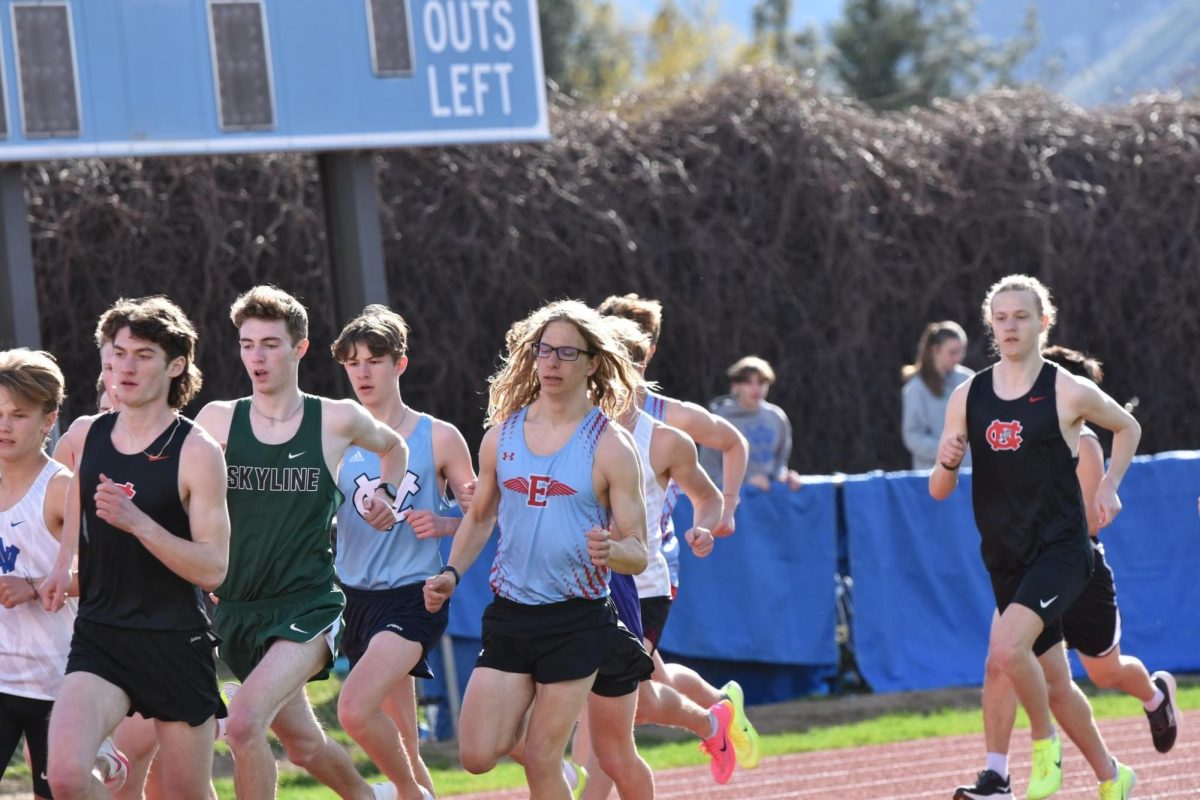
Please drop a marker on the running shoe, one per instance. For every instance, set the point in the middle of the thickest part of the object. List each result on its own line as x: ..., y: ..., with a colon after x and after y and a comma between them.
x: 741, y: 733
x: 112, y: 766
x: 988, y: 786
x: 1120, y: 787
x: 1164, y: 720
x: 718, y: 746
x: 1045, y: 777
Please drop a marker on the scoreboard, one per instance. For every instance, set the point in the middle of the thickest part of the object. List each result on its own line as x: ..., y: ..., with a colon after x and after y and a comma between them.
x: 115, y: 78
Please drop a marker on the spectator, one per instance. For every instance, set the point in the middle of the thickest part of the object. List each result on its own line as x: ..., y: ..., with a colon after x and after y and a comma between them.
x: 765, y: 425
x: 928, y: 384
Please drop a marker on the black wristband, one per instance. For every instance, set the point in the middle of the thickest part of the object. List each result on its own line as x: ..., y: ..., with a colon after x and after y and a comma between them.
x: 947, y: 466
x: 452, y: 571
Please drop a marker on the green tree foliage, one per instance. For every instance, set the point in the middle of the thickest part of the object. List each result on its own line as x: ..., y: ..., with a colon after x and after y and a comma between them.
x: 897, y: 53
x: 685, y: 43
x: 601, y: 61
x: 774, y: 43
x: 559, y: 20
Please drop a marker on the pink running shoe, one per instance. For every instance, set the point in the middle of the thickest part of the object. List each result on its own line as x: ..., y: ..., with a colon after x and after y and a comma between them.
x: 718, y: 746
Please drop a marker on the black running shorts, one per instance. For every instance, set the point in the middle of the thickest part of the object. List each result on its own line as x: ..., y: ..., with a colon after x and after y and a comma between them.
x: 655, y: 611
x: 167, y: 675
x: 31, y: 717
x: 1092, y: 625
x: 1048, y: 586
x: 554, y: 642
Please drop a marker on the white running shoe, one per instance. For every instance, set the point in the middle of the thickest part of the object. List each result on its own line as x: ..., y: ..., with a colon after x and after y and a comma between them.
x: 112, y: 767
x: 385, y: 791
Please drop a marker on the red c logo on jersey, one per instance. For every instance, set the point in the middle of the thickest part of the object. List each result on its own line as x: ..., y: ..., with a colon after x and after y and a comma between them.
x: 1004, y: 435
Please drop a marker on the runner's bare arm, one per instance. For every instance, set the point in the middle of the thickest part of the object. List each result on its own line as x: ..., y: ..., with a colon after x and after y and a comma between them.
x: 202, y: 560
x: 620, y: 472
x: 359, y: 428
x: 716, y: 433
x: 953, y: 446
x: 57, y: 585
x: 1085, y: 400
x: 685, y: 470
x: 475, y: 528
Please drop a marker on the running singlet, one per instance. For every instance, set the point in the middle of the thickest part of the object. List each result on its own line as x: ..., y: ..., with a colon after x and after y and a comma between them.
x: 656, y: 407
x: 655, y: 580
x: 547, y: 506
x: 121, y: 583
x: 281, y: 502
x: 1024, y: 487
x: 367, y: 558
x: 33, y: 642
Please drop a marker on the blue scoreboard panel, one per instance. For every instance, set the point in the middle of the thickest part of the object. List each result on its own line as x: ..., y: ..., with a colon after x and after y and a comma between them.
x: 112, y: 78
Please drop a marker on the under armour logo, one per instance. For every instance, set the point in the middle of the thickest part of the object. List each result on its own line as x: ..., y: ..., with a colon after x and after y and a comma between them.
x: 508, y: 455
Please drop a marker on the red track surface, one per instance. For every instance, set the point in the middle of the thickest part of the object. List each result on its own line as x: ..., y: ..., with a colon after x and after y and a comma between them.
x: 931, y: 768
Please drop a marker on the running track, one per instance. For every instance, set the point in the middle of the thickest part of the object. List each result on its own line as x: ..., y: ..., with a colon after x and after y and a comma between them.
x: 931, y: 768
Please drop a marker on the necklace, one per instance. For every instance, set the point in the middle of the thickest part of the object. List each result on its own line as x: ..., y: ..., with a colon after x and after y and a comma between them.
x: 400, y: 424
x: 295, y: 411
x: 159, y: 455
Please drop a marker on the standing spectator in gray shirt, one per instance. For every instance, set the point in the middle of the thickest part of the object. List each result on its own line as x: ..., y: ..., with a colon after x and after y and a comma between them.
x: 765, y: 425
x: 927, y: 388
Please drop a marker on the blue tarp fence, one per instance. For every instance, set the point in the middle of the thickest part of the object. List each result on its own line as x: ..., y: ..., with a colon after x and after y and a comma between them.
x: 762, y: 608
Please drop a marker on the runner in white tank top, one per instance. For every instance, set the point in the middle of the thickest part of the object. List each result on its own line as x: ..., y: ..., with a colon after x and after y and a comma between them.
x: 33, y: 642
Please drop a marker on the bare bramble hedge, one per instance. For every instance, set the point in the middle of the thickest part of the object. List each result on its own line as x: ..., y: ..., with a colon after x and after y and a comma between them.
x: 769, y: 218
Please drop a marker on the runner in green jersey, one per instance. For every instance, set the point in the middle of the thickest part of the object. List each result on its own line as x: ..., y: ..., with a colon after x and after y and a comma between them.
x: 279, y: 614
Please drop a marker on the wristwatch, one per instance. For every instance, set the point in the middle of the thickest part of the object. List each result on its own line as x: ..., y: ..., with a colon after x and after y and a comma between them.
x: 389, y: 489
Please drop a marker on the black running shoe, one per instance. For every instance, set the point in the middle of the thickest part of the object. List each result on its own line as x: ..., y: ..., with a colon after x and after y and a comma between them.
x: 989, y: 785
x: 1164, y: 720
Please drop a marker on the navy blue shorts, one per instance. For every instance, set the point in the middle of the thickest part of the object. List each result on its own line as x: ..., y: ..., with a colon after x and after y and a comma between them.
x: 400, y: 611
x: 623, y: 590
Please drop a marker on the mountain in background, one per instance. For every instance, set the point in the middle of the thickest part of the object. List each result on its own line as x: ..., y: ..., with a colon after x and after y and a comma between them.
x: 1093, y: 52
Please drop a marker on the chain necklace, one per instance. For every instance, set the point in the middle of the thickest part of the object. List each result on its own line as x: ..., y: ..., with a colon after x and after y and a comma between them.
x: 295, y: 411
x: 400, y: 424
x: 159, y: 455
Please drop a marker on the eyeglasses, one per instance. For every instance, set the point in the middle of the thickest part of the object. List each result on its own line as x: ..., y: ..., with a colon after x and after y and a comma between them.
x: 564, y: 353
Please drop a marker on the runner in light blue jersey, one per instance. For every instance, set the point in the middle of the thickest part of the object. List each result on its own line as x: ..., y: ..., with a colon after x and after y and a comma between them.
x: 567, y: 486
x: 389, y: 632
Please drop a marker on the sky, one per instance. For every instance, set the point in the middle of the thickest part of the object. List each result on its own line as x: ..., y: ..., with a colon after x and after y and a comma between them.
x: 737, y: 12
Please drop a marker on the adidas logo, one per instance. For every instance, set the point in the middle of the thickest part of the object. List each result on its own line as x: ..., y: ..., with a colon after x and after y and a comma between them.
x: 355, y: 458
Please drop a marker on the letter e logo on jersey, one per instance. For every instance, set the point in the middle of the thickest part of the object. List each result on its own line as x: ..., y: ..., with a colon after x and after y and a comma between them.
x: 1004, y: 435
x: 537, y: 488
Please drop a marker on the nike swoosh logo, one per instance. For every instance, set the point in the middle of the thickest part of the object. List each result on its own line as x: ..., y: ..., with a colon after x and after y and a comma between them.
x: 15, y: 524
x: 1046, y: 603
x: 1039, y: 398
x: 297, y: 630
x: 296, y: 455
x: 394, y: 625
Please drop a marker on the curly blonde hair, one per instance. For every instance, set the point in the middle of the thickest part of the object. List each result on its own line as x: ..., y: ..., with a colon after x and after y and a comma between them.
x: 515, y: 385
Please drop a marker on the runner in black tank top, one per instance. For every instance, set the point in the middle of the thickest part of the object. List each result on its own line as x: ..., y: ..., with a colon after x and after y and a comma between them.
x: 111, y: 561
x: 1033, y: 531
x: 149, y: 514
x: 1025, y: 492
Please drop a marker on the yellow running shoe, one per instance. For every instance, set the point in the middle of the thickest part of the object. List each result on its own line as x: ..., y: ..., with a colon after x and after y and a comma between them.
x: 1120, y: 787
x: 581, y: 778
x: 1045, y: 777
x: 741, y: 732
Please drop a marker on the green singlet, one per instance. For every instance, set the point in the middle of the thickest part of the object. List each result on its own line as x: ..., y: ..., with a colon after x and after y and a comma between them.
x: 281, y: 499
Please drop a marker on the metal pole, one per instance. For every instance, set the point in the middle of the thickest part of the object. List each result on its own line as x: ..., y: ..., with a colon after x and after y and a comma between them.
x: 19, y: 308
x: 355, y: 235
